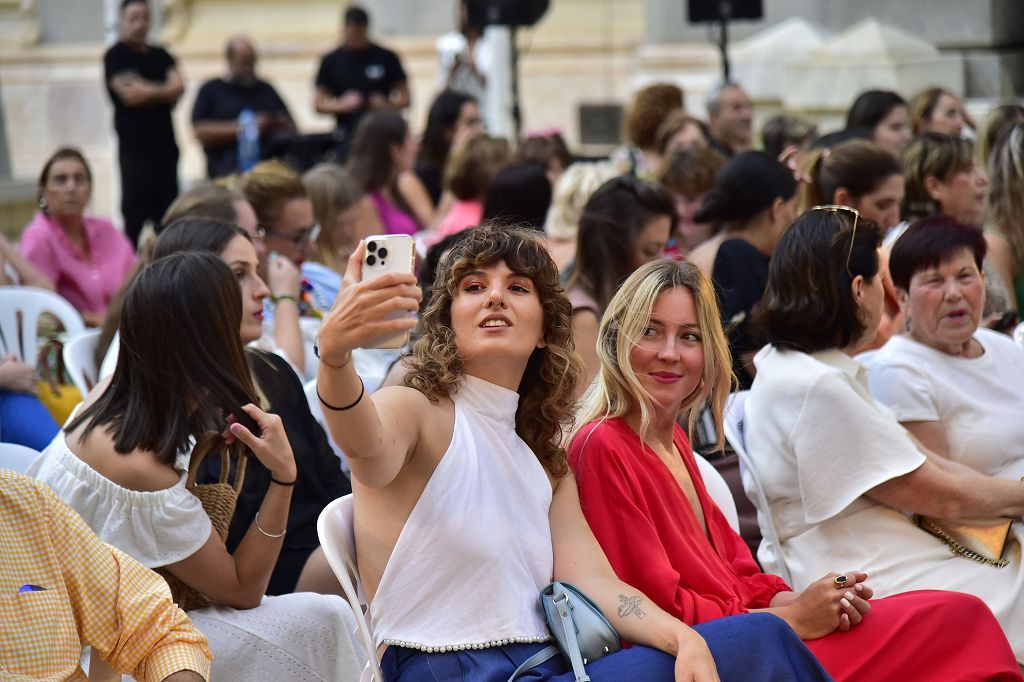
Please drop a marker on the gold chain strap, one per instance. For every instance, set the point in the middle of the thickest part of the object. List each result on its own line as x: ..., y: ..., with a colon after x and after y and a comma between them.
x: 954, y: 546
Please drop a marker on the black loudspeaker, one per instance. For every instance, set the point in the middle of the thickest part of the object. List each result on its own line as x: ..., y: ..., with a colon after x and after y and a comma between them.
x: 718, y: 10
x: 505, y: 12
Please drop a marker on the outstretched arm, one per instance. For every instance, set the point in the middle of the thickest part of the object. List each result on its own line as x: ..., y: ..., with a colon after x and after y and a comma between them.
x: 379, y: 433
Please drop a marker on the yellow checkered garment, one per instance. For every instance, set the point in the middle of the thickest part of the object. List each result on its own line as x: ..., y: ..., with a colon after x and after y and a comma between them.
x: 94, y: 594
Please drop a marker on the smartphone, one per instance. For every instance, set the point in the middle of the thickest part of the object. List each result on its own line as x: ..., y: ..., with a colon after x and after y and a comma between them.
x: 384, y: 254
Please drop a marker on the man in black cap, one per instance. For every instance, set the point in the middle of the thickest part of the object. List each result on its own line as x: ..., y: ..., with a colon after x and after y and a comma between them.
x: 358, y: 76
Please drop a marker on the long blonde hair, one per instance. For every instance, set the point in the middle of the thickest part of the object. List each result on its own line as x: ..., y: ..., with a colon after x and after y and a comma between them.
x: 1004, y: 201
x: 618, y: 392
x: 331, y: 192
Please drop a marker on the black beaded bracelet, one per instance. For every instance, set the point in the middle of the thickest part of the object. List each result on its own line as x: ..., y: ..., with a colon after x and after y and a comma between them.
x: 362, y: 392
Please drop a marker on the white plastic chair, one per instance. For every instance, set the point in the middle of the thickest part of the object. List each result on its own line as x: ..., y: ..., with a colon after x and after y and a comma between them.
x: 80, y: 359
x: 318, y: 414
x: 719, y: 491
x: 337, y: 537
x: 16, y: 457
x: 735, y: 413
x: 31, y: 302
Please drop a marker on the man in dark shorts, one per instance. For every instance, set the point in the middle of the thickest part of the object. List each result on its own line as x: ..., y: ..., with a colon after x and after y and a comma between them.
x: 144, y: 85
x: 221, y: 100
x: 357, y: 77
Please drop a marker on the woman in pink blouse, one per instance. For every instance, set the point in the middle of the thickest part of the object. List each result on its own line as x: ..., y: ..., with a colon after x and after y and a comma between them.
x: 86, y: 257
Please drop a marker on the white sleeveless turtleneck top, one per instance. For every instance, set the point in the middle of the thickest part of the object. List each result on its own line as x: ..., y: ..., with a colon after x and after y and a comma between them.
x: 471, y: 560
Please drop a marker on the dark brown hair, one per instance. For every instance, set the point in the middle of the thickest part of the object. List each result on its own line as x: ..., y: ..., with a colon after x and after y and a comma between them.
x: 691, y: 172
x: 545, y: 148
x: 871, y: 107
x: 675, y: 123
x: 611, y: 220
x: 859, y: 166
x: 181, y: 366
x: 808, y: 305
x: 930, y: 242
x: 547, y: 389
x: 62, y: 154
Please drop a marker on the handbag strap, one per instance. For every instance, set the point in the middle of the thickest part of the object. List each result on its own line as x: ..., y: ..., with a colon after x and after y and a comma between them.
x: 571, y: 641
x: 215, y: 441
x: 544, y: 654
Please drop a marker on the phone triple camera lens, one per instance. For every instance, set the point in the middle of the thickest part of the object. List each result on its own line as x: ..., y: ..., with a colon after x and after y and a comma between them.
x: 383, y: 253
x: 371, y: 246
x: 371, y: 260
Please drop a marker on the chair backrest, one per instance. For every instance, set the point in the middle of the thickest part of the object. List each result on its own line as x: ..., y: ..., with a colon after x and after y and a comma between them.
x: 16, y: 457
x: 719, y: 491
x: 80, y: 359
x: 19, y: 338
x: 735, y: 413
x: 337, y: 537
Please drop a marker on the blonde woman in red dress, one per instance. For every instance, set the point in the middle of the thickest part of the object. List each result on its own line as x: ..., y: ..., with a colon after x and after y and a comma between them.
x: 662, y: 350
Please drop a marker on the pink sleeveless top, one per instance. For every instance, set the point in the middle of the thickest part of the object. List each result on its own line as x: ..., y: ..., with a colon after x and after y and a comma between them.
x: 394, y: 219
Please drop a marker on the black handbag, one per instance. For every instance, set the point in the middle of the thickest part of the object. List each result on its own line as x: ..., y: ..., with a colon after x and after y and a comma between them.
x: 581, y: 632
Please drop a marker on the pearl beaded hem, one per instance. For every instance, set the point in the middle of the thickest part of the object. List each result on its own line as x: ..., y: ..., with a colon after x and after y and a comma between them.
x: 465, y: 647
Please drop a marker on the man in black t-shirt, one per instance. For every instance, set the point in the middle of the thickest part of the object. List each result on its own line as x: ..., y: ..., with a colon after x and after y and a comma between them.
x: 359, y: 76
x: 221, y: 100
x: 144, y: 85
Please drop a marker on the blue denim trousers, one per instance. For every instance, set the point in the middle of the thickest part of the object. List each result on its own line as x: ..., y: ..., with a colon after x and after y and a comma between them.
x: 751, y: 647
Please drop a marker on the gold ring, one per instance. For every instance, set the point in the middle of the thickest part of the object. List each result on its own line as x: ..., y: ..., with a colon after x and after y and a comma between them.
x: 840, y: 581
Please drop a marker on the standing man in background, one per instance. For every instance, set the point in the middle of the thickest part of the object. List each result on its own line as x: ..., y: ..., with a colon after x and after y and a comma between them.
x: 221, y: 100
x: 358, y: 76
x: 144, y: 85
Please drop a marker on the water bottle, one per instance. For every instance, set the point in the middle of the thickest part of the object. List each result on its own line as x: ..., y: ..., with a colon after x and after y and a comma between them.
x: 248, y: 140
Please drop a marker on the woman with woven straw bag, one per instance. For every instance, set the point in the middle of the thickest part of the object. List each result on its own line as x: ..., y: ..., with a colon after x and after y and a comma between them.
x: 838, y: 471
x: 120, y: 462
x: 464, y: 506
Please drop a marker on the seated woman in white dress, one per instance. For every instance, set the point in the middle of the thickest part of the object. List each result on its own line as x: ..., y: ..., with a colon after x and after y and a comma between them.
x: 180, y: 371
x: 838, y: 470
x: 464, y: 506
x: 956, y: 386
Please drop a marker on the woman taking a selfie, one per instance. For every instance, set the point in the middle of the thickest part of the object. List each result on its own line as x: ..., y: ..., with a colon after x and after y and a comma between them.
x: 472, y: 440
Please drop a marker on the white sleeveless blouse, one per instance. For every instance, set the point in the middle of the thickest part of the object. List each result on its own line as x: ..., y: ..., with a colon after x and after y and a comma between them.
x: 469, y: 564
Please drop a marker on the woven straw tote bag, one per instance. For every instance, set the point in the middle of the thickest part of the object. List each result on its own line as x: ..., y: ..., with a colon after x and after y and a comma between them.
x: 218, y: 499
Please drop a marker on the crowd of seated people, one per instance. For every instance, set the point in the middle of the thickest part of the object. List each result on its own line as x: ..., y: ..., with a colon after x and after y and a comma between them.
x: 572, y: 321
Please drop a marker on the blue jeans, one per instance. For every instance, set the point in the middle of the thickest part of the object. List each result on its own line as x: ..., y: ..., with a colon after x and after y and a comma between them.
x: 751, y: 647
x: 25, y: 420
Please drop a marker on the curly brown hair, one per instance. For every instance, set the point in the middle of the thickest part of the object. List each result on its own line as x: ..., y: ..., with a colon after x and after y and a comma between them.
x: 546, y: 391
x: 651, y: 106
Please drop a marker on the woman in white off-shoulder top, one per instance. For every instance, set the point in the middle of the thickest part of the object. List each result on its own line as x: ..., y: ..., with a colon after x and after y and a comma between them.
x: 181, y: 372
